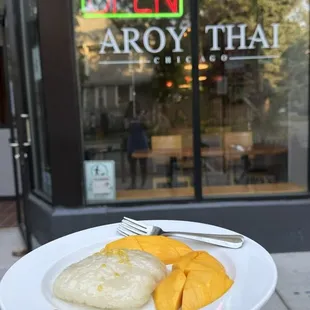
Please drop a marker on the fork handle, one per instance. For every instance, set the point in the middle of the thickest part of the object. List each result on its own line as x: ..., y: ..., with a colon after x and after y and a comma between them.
x: 227, y: 241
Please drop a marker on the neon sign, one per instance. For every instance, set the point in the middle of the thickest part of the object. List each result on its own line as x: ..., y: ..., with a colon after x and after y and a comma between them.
x: 132, y: 9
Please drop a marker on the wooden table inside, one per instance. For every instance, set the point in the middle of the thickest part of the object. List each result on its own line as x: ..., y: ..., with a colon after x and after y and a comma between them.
x: 212, y: 152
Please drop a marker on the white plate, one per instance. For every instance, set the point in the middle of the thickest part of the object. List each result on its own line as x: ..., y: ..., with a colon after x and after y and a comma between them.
x: 28, y: 283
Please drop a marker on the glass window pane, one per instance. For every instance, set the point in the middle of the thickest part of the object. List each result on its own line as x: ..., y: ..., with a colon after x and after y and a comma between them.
x: 38, y: 122
x: 254, y: 96
x: 135, y: 77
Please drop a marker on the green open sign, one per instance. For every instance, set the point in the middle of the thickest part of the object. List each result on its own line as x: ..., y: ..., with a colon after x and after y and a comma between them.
x: 132, y: 8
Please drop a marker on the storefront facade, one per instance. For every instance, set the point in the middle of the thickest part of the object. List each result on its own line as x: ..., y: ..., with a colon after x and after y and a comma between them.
x: 176, y: 109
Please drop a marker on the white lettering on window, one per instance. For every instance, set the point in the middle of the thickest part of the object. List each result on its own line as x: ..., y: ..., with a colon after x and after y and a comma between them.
x: 131, y: 41
x: 146, y: 40
x: 212, y: 58
x: 224, y: 57
x: 168, y: 60
x: 156, y: 60
x: 215, y: 29
x: 275, y: 28
x: 177, y: 38
x: 231, y: 37
x: 258, y: 37
x: 188, y: 59
x: 203, y: 59
x: 109, y: 41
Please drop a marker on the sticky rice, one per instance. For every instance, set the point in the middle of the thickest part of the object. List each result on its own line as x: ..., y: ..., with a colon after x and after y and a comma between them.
x: 114, y: 279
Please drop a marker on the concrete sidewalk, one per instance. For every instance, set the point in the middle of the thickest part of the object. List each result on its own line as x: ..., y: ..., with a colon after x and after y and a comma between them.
x: 293, y: 289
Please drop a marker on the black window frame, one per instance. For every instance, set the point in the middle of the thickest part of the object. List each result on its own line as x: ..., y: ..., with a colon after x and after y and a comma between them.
x: 55, y: 19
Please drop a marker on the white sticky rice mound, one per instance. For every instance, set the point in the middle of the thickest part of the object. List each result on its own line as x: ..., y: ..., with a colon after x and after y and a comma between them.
x: 114, y: 279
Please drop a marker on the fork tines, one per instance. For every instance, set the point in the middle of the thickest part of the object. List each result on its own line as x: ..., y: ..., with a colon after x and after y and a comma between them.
x: 130, y: 227
x: 129, y: 221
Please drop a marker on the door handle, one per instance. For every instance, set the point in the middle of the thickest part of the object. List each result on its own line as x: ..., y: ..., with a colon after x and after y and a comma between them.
x: 14, y: 144
x: 28, y: 134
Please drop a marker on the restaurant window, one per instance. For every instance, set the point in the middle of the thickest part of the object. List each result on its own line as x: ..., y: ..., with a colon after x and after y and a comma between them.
x: 35, y: 98
x: 136, y: 89
x: 136, y: 99
x: 254, y: 61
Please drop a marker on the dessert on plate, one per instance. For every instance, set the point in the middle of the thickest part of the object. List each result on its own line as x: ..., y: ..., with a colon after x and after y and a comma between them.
x: 128, y: 272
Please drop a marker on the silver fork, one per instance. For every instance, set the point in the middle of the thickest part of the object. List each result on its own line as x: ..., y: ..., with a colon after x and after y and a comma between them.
x: 129, y: 227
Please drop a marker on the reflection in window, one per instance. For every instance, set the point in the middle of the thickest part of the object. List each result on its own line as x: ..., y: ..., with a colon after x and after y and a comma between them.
x: 254, y: 100
x: 136, y: 90
x: 135, y: 77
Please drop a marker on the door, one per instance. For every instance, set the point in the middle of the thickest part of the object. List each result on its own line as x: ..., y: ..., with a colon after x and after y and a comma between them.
x: 20, y: 127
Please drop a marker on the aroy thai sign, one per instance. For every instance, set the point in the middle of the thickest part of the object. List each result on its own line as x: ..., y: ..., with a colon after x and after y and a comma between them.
x: 132, y: 8
x: 237, y: 38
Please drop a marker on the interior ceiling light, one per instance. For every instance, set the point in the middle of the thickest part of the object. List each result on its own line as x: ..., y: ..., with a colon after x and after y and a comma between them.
x: 200, y: 67
x: 183, y: 86
x: 169, y: 84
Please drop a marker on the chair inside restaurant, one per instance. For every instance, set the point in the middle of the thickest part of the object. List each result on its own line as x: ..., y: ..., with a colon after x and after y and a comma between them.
x: 169, y: 157
x: 241, y: 164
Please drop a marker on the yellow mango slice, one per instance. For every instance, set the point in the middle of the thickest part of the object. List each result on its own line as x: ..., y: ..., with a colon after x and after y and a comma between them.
x: 198, y: 260
x: 204, y: 287
x: 168, y: 294
x: 184, y: 261
x: 228, y: 283
x: 166, y: 249
x: 124, y: 243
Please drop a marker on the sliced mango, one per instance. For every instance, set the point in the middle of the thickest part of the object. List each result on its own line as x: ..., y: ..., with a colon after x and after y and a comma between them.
x: 168, y: 294
x: 124, y: 243
x: 166, y: 249
x: 198, y: 261
x: 204, y: 287
x: 184, y: 261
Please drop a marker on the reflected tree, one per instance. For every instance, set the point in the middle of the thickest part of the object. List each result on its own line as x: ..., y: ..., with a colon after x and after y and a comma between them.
x: 261, y: 81
x: 295, y: 86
